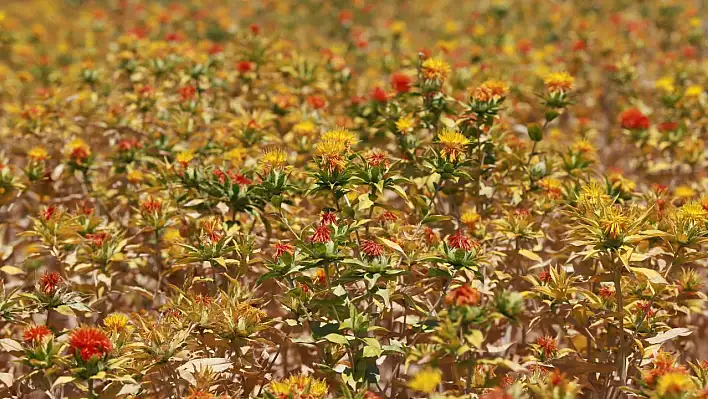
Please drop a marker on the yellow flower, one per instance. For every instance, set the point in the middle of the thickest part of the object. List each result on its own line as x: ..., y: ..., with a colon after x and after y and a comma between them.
x: 490, y: 90
x: 171, y: 235
x: 116, y: 322
x: 684, y: 192
x: 585, y: 147
x: 342, y: 135
x: 614, y: 223
x: 470, y: 218
x: 558, y: 81
x: 453, y: 143
x: 694, y: 91
x: 331, y: 152
x: 273, y: 157
x: 673, y: 383
x: 426, y: 381
x: 38, y: 154
x: 666, y: 84
x: 235, y: 155
x: 405, y: 124
x: 135, y: 176
x: 435, y: 69
x: 299, y: 387
x: 304, y: 128
x: 398, y: 27
x: 693, y: 211
x: 185, y: 157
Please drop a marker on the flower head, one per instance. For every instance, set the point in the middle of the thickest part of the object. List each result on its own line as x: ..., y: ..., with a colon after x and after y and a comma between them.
x: 435, y: 69
x: 49, y: 282
x: 36, y: 333
x: 322, y: 234
x: 38, y: 154
x: 116, y: 322
x: 459, y: 241
x: 401, y: 82
x: 273, y: 158
x: 281, y: 248
x: 558, y: 82
x: 454, y: 143
x: 463, y: 295
x: 299, y: 387
x: 426, y: 380
x: 371, y: 248
x: 405, y: 124
x: 88, y: 342
x: 634, y: 119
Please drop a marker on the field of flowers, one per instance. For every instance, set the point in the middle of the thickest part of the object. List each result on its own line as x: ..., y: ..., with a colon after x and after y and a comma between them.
x: 299, y: 199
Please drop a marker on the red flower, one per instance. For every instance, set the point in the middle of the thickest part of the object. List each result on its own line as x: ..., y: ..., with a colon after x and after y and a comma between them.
x: 255, y: 29
x: 606, y: 292
x: 174, y: 37
x: 97, y: 239
x: 48, y: 212
x: 329, y: 218
x: 49, y: 281
x: 371, y: 248
x: 579, y: 45
x: 79, y: 155
x: 36, y: 333
x: 245, y: 66
x: 667, y: 127
x: 388, y: 216
x: 187, y: 92
x: 544, y: 276
x: 88, y: 342
x: 548, y: 344
x: 346, y: 17
x: 463, y: 296
x: 459, y: 241
x: 322, y: 234
x: 401, y: 82
x: 240, y: 179
x: 633, y: 118
x: 377, y: 158
x: 151, y: 205
x: 372, y: 395
x: 379, y: 95
x: 216, y: 49
x: 281, y: 248
x: 316, y: 102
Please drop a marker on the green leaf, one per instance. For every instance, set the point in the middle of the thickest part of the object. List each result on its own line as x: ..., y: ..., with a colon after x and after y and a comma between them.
x: 530, y: 255
x: 372, y: 348
x: 391, y: 245
x: 337, y: 339
x: 652, y: 275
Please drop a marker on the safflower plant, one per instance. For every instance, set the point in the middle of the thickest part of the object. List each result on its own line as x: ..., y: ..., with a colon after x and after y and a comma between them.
x: 311, y: 200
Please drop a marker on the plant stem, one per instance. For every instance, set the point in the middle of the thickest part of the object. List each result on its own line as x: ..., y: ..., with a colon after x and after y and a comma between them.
x: 620, y: 310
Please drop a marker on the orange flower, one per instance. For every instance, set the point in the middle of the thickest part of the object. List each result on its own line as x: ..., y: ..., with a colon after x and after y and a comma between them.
x: 633, y: 119
x: 463, y: 296
x: 35, y: 334
x: 88, y: 342
x: 49, y: 282
x: 371, y: 248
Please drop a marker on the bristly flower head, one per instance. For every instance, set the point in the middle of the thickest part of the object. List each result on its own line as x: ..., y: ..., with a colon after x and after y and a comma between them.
x: 281, y: 248
x: 453, y: 142
x: 322, y: 234
x: 459, y: 241
x: 463, y: 295
x: 35, y: 334
x: 634, y: 119
x: 88, y: 342
x: 116, y: 322
x: 558, y: 82
x: 273, y: 158
x: 299, y: 387
x: 491, y: 90
x: 49, y: 282
x: 435, y: 69
x: 371, y: 248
